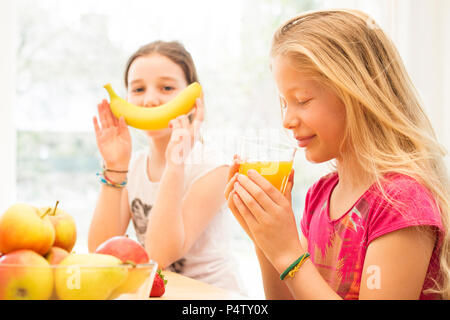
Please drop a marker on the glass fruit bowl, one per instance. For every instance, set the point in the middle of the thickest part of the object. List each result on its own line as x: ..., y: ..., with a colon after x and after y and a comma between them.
x: 76, y: 282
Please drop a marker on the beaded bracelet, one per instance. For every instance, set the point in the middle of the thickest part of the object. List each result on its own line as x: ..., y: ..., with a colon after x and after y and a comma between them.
x: 293, y: 268
x: 106, y: 181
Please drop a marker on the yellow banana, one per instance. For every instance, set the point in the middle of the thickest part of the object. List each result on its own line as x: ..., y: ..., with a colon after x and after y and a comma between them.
x: 157, y: 117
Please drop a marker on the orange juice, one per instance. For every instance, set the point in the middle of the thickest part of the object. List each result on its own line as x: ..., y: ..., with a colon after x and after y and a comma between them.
x: 276, y: 172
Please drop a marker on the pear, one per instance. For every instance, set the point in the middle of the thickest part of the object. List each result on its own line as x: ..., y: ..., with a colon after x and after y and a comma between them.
x: 90, y: 276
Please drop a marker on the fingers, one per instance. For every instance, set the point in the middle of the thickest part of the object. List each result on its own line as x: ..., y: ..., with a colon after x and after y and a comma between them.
x: 96, y: 127
x: 179, y: 127
x: 230, y: 186
x: 198, y: 119
x: 234, y: 166
x: 182, y: 129
x: 107, y: 119
x: 290, y: 185
x: 180, y: 122
x: 175, y: 125
x: 273, y: 193
x: 123, y: 127
x: 234, y: 210
x: 184, y: 121
x: 199, y: 110
x: 243, y: 213
x: 256, y: 207
x: 232, y: 175
x: 121, y: 123
x: 101, y: 114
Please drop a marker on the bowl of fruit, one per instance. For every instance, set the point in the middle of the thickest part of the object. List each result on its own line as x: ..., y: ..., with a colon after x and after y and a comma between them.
x: 32, y: 267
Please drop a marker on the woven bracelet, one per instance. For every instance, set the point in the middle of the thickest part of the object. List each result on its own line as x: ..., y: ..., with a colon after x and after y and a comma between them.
x: 293, y: 268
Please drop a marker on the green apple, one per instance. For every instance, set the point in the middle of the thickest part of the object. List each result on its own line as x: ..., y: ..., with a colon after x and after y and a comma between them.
x: 26, y: 275
x: 90, y: 276
x: 65, y: 227
x: 23, y: 227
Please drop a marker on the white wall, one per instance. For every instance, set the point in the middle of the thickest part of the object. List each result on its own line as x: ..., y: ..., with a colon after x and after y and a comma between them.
x: 7, y: 91
x: 425, y: 46
x: 421, y: 31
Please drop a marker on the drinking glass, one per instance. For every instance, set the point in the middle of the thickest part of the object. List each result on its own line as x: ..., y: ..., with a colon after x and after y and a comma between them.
x: 272, y: 158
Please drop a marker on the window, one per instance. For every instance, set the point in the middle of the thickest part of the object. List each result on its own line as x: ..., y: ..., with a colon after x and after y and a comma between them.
x: 67, y: 51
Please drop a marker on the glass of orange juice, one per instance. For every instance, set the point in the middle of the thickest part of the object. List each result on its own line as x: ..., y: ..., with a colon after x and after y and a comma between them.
x: 272, y: 159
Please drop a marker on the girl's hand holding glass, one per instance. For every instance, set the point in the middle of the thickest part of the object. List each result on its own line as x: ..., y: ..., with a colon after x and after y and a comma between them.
x: 265, y: 214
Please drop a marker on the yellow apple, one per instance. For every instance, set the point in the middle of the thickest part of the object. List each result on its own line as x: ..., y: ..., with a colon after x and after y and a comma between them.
x: 26, y: 275
x: 65, y: 227
x: 22, y: 227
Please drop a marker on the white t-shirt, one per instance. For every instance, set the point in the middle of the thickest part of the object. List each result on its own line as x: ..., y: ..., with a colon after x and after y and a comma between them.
x: 209, y: 259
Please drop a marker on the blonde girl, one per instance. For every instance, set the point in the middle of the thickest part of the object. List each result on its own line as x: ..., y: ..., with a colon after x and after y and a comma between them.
x: 377, y: 227
x: 163, y: 188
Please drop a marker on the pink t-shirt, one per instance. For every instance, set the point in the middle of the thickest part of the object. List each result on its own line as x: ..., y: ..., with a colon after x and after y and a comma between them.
x: 338, y: 247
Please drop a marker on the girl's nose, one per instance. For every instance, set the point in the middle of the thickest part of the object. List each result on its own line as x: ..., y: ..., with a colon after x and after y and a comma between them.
x: 290, y: 119
x: 152, y: 100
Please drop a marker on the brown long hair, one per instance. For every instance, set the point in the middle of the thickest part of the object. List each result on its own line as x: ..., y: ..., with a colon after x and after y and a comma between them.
x: 173, y: 50
x: 387, y: 128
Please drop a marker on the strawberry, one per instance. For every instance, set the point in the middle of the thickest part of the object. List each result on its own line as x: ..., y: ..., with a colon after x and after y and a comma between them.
x: 159, y: 285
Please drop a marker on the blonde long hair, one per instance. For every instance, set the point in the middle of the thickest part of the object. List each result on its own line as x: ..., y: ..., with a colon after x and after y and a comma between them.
x: 387, y: 129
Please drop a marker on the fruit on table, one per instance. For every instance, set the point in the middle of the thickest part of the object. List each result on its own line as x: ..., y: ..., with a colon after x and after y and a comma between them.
x: 125, y: 249
x: 30, y: 278
x: 65, y: 227
x: 159, y: 285
x: 128, y: 251
x: 81, y: 278
x: 23, y: 227
x: 157, y: 117
x: 56, y: 255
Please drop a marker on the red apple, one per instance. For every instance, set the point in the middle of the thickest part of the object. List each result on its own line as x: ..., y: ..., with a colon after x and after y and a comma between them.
x: 124, y: 248
x: 24, y: 274
x: 127, y: 250
x: 56, y: 255
x: 23, y: 227
x: 65, y: 227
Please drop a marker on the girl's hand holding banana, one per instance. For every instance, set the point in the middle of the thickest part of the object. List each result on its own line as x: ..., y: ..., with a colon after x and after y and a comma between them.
x: 114, y: 141
x: 184, y: 135
x: 113, y: 138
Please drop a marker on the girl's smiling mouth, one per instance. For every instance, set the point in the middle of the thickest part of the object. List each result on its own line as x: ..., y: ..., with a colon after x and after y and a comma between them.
x: 304, y: 141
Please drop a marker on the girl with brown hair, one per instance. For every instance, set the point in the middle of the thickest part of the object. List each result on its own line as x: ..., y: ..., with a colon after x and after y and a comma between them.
x: 177, y: 207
